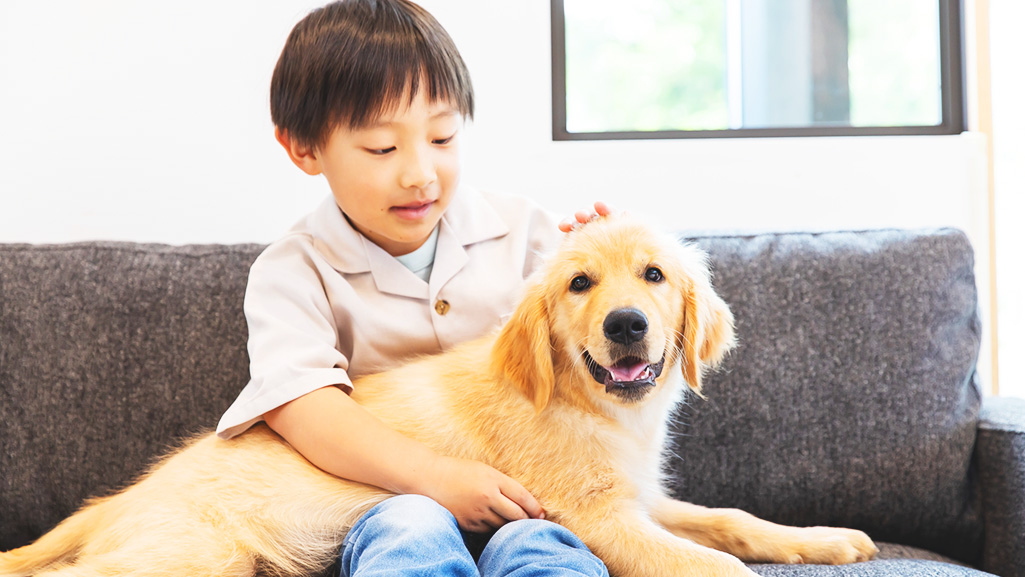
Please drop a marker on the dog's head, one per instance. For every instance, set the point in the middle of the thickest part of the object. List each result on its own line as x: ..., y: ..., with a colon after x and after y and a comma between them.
x: 615, y: 310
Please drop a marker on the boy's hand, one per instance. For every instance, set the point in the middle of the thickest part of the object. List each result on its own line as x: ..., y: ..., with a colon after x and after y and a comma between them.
x: 585, y: 216
x: 479, y: 496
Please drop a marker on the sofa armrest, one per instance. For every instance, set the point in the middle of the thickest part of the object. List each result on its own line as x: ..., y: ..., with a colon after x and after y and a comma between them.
x: 1000, y: 454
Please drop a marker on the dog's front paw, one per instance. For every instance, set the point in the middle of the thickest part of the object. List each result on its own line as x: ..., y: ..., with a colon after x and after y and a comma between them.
x: 829, y: 546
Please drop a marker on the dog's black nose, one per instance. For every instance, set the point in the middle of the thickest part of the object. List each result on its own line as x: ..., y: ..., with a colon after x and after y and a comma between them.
x: 625, y: 326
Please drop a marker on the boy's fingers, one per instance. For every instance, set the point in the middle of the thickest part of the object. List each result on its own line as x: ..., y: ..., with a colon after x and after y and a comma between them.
x: 492, y: 522
x: 580, y: 217
x: 584, y: 216
x: 507, y: 510
x: 523, y: 499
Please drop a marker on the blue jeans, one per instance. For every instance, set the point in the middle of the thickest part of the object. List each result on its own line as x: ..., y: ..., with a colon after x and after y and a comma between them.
x: 413, y: 535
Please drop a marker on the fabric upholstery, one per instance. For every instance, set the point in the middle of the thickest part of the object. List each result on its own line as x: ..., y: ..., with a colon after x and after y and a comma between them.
x: 109, y: 353
x: 880, y: 568
x: 892, y: 560
x: 851, y: 399
x: 1001, y: 457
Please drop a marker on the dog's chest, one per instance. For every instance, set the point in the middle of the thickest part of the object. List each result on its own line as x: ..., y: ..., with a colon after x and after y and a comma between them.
x: 641, y: 462
x: 642, y: 442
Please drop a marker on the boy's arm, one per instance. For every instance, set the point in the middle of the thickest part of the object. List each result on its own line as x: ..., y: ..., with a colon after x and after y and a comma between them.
x: 339, y: 436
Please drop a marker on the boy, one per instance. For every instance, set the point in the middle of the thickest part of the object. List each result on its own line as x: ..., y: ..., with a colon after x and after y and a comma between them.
x: 399, y: 261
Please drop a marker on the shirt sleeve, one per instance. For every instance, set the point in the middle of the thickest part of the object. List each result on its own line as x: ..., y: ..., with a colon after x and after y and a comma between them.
x: 544, y: 236
x: 293, y: 335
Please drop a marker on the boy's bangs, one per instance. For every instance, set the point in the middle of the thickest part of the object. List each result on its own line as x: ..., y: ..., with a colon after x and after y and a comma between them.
x: 400, y: 78
x: 349, y: 63
x: 404, y: 50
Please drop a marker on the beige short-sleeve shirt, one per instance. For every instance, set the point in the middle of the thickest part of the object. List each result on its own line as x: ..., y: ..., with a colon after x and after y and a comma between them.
x: 325, y: 305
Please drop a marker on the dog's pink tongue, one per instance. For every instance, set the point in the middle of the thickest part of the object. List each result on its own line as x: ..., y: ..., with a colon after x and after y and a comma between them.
x: 628, y: 373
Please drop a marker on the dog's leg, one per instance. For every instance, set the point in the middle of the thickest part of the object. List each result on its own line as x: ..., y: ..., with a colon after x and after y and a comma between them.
x: 632, y: 545
x: 756, y: 540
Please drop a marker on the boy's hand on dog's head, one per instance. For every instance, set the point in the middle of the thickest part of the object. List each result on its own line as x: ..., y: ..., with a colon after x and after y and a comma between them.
x: 585, y: 216
x: 480, y: 497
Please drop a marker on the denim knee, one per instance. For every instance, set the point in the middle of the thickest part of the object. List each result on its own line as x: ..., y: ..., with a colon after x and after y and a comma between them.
x: 406, y: 535
x: 411, y: 513
x: 534, y: 547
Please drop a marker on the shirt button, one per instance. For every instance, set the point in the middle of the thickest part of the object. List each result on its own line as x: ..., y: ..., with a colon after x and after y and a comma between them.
x: 441, y: 307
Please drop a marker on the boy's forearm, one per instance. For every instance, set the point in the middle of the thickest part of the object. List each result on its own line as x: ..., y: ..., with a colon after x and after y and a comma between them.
x: 337, y: 435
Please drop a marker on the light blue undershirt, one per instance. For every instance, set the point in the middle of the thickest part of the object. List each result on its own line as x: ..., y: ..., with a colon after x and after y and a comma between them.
x: 421, y: 260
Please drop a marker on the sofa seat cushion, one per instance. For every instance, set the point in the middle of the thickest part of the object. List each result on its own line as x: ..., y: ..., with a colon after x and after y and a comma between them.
x: 892, y: 561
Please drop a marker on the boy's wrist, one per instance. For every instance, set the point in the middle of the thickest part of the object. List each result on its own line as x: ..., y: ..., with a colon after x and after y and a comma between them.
x: 422, y: 472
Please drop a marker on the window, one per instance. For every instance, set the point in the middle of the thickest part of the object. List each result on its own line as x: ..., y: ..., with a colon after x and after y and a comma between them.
x: 714, y: 68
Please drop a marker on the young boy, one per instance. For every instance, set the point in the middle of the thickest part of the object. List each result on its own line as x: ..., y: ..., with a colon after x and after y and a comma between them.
x: 400, y: 261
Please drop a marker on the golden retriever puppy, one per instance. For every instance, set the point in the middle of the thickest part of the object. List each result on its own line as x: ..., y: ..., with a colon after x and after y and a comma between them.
x: 571, y: 398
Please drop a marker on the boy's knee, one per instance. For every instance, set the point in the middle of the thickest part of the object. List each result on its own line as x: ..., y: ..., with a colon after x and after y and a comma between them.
x: 536, y: 531
x: 548, y: 547
x: 412, y: 514
x: 406, y: 535
x: 412, y: 504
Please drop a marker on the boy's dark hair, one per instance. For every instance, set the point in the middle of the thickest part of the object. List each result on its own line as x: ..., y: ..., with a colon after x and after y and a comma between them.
x: 350, y: 61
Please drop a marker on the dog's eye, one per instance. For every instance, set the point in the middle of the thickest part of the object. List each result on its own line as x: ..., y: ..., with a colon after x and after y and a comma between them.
x: 579, y: 284
x: 654, y: 275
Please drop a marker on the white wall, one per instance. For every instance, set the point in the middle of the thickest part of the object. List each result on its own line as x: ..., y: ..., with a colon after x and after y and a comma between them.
x: 1008, y: 51
x: 143, y: 121
x: 148, y: 121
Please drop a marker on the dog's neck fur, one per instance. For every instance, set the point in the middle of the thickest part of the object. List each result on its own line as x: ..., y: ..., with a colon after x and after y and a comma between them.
x: 644, y: 421
x: 643, y: 427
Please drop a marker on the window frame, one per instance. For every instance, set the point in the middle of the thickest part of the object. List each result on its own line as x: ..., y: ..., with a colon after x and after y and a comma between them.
x: 952, y: 94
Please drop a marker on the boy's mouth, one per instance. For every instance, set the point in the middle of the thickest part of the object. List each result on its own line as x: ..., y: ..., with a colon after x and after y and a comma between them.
x: 414, y: 210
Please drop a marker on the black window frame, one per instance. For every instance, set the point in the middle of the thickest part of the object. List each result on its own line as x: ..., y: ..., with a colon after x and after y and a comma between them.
x: 952, y: 88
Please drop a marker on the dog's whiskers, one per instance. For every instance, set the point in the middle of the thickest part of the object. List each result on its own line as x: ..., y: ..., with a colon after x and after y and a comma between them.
x: 583, y: 350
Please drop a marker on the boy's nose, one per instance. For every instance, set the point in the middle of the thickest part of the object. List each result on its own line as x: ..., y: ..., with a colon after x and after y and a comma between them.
x: 418, y: 170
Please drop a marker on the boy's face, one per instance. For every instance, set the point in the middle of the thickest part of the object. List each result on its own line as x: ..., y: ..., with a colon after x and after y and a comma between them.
x: 395, y: 178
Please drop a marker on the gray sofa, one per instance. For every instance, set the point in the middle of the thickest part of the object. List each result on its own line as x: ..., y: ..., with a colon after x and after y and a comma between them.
x: 852, y: 399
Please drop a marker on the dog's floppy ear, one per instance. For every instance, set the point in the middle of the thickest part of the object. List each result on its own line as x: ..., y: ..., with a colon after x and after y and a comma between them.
x: 707, y: 331
x: 523, y: 352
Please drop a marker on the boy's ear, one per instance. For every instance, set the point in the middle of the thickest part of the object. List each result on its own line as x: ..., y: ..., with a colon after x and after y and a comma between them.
x: 303, y: 157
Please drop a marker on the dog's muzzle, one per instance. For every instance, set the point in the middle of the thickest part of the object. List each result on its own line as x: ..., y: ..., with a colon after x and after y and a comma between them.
x: 630, y: 378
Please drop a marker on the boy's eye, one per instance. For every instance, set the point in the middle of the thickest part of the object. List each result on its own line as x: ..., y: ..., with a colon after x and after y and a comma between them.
x: 380, y: 151
x: 443, y: 141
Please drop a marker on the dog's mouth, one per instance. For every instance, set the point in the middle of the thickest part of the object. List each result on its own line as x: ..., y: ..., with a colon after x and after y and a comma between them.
x: 626, y: 376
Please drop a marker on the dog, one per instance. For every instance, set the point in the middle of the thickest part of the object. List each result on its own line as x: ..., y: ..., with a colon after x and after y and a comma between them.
x: 571, y: 398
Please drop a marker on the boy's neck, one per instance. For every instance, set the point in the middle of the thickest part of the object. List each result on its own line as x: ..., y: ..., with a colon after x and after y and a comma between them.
x: 421, y: 261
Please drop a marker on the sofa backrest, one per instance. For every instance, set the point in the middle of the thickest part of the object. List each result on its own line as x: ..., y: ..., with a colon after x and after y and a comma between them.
x: 109, y: 354
x: 849, y: 401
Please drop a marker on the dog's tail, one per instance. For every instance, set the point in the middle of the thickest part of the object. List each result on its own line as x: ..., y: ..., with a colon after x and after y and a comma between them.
x: 58, y: 546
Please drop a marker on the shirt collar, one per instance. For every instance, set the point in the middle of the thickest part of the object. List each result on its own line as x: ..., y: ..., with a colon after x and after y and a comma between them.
x: 469, y: 219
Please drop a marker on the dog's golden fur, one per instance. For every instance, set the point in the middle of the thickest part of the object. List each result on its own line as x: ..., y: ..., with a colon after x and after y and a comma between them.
x: 527, y: 401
